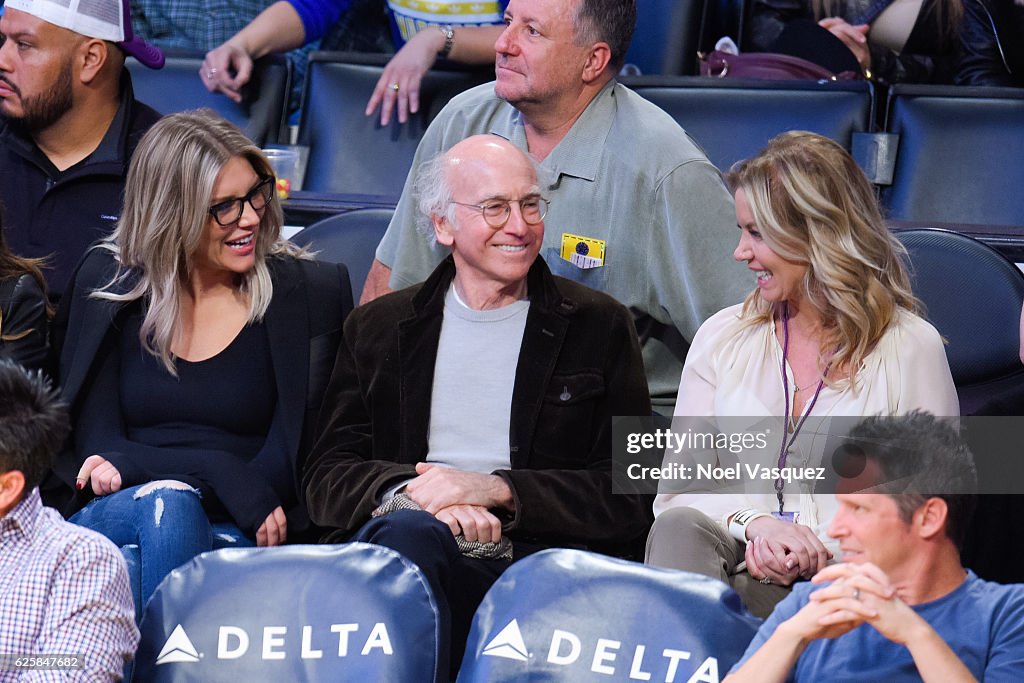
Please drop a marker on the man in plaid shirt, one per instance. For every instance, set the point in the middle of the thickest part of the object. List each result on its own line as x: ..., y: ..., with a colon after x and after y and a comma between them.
x: 65, y: 606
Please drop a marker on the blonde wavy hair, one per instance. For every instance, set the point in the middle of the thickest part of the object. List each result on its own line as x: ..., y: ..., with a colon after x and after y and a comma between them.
x: 814, y: 206
x: 168, y: 191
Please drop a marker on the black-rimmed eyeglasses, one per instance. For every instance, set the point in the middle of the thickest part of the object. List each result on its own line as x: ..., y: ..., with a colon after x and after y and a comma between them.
x: 496, y: 212
x: 229, y: 211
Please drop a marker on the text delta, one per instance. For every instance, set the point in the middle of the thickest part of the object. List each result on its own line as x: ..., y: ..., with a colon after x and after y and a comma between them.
x: 234, y: 642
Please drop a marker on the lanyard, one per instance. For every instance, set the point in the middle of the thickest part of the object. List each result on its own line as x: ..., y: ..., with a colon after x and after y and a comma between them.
x: 788, y: 440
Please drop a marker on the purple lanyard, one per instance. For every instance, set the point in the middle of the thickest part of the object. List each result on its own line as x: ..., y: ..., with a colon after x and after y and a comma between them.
x: 788, y: 441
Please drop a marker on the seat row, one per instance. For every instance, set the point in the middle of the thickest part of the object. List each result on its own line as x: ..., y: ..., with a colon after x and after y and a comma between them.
x: 359, y: 612
x: 947, y: 155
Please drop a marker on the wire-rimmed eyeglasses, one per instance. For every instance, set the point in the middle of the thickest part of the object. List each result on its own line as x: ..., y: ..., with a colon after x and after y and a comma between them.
x: 229, y: 211
x: 496, y: 212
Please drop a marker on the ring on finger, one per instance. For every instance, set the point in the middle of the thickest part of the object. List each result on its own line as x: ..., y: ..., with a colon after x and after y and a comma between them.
x: 765, y: 580
x: 211, y: 72
x: 856, y: 594
x: 394, y: 86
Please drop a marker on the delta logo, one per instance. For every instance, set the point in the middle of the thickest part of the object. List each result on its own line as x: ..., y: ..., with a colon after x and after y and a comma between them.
x: 277, y: 642
x: 604, y: 656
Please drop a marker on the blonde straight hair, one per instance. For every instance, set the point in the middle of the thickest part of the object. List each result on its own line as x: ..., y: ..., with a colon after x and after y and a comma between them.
x: 814, y: 206
x: 166, y: 212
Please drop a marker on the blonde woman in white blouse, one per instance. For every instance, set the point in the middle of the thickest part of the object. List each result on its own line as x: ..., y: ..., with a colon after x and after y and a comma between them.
x: 830, y: 330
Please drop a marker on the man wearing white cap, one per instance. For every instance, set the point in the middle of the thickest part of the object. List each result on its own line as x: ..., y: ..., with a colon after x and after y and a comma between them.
x: 69, y: 124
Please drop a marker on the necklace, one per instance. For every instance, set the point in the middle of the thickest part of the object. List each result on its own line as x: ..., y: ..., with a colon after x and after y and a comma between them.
x: 789, y: 439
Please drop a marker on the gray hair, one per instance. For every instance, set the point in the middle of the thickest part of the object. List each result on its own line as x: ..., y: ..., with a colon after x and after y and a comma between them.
x: 433, y: 191
x: 168, y: 191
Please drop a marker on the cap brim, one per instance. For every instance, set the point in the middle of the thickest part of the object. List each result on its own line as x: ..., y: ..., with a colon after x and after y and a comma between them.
x: 150, y: 56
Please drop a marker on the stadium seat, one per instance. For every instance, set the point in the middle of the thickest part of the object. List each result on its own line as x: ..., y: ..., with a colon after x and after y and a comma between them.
x: 569, y: 615
x: 666, y: 38
x: 733, y: 119
x: 351, y: 153
x: 973, y: 296
x: 176, y: 87
x: 959, y: 155
x: 354, y: 612
x: 350, y: 238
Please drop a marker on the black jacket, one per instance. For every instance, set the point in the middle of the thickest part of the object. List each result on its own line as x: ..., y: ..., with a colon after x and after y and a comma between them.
x: 579, y: 365
x: 992, y: 44
x: 49, y: 213
x: 23, y: 321
x: 303, y: 325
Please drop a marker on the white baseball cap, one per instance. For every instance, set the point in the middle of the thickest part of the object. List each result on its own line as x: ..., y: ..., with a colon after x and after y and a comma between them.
x: 104, y: 19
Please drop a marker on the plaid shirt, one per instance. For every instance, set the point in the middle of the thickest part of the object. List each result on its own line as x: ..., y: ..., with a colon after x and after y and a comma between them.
x: 63, y: 591
x: 195, y: 24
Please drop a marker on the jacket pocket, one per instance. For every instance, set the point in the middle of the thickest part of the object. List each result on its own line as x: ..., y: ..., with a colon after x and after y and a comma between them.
x: 569, y: 416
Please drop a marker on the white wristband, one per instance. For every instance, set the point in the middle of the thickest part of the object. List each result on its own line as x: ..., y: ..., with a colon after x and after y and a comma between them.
x: 740, y: 520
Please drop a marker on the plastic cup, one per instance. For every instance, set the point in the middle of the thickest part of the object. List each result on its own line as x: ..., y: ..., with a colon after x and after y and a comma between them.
x: 285, y: 163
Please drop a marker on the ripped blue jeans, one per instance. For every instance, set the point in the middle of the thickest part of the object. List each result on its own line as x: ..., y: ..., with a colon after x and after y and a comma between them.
x: 159, y: 526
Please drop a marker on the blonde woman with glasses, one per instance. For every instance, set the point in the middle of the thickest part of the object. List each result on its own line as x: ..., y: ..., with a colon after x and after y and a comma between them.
x: 197, y: 347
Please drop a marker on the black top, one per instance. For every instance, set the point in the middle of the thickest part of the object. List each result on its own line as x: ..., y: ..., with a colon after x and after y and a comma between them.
x: 223, y: 403
x: 23, y: 321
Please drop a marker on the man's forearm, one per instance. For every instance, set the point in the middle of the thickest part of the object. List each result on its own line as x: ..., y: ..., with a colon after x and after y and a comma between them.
x: 934, y: 659
x: 773, y: 661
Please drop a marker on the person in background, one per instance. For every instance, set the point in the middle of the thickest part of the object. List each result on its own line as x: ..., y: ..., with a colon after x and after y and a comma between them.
x: 829, y: 331
x: 63, y: 589
x: 901, y: 606
x: 24, y: 310
x: 198, y: 347
x: 991, y: 49
x: 913, y: 41
x: 422, y: 31
x: 69, y: 125
x: 638, y: 211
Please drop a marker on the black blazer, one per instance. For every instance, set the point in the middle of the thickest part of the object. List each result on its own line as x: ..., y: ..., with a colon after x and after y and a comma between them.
x: 303, y: 324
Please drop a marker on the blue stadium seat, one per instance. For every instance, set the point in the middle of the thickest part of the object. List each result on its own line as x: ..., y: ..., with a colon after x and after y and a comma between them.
x: 350, y: 238
x: 351, y: 153
x: 959, y: 157
x: 176, y: 87
x: 666, y: 38
x: 973, y: 296
x: 354, y: 612
x: 733, y: 119
x: 569, y: 615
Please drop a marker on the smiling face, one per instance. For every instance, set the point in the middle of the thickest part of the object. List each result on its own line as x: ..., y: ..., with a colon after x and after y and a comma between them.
x: 537, y: 58
x: 869, y: 528
x: 778, y: 279
x: 36, y: 75
x: 490, y: 260
x: 229, y: 250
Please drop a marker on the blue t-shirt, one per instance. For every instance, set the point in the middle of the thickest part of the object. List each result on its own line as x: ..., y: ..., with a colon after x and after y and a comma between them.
x: 982, y: 622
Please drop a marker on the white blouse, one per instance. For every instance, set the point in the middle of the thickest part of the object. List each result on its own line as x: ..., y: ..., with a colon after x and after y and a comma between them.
x: 735, y: 369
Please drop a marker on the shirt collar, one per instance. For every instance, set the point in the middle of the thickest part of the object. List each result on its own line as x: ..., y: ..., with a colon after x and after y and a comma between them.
x: 25, y: 515
x: 579, y: 153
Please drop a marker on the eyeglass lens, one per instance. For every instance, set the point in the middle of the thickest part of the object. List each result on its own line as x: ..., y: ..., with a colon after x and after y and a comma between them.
x: 228, y: 212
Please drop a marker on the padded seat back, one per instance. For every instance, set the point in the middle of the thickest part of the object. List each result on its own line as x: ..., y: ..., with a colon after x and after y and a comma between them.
x: 973, y: 296
x: 569, y: 615
x: 350, y: 238
x: 176, y: 87
x: 959, y: 158
x: 354, y: 612
x: 351, y: 153
x: 733, y: 120
x: 666, y: 37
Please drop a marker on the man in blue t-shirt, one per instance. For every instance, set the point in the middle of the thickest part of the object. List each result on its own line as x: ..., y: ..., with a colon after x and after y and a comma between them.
x: 900, y: 607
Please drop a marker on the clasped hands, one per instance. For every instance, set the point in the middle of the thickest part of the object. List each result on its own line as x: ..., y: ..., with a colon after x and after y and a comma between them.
x: 783, y: 551
x: 462, y: 500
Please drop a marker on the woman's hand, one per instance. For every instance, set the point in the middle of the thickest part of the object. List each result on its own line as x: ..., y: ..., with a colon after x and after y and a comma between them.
x: 406, y: 70
x: 220, y: 63
x: 853, y: 37
x: 801, y: 550
x: 769, y: 560
x: 104, y: 476
x: 274, y: 530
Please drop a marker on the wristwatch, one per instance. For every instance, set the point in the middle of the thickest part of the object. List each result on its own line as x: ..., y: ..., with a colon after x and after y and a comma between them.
x: 449, y: 39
